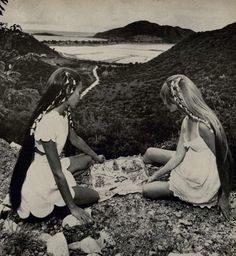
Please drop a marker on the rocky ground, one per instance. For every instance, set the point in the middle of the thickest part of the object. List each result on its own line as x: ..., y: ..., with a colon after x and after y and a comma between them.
x: 134, y: 225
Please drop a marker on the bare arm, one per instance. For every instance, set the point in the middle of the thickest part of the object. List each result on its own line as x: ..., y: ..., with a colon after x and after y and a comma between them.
x: 79, y: 143
x: 55, y: 165
x: 174, y: 161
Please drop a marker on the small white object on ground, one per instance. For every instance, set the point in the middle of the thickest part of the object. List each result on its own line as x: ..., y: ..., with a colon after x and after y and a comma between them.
x: 105, y: 239
x: 44, y: 237
x: 185, y: 254
x: 57, y: 245
x: 15, y: 145
x: 87, y: 245
x: 71, y: 221
x: 10, y: 226
x: 6, y: 201
x: 4, y: 210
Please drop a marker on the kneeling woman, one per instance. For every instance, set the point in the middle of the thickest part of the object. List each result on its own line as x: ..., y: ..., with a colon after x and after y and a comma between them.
x: 202, y: 165
x: 42, y: 180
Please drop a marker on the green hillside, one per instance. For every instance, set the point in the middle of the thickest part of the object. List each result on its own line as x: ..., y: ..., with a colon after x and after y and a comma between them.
x: 124, y: 114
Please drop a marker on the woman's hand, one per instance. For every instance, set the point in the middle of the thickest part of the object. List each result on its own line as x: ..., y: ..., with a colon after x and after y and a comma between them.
x: 154, y: 177
x: 81, y: 215
x: 224, y: 206
x: 100, y: 159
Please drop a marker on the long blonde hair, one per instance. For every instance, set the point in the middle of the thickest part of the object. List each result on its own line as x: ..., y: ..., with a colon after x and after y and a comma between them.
x: 187, y: 96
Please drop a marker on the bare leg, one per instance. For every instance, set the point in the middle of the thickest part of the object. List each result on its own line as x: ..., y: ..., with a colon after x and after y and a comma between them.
x: 157, y: 156
x: 157, y: 190
x: 85, y: 196
x: 79, y: 163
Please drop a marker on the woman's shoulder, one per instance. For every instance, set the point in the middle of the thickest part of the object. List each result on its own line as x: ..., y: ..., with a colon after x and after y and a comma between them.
x: 205, y: 131
x: 51, y: 116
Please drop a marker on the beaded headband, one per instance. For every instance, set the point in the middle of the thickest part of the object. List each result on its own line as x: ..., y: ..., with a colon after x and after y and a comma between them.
x: 179, y: 100
x: 59, y: 99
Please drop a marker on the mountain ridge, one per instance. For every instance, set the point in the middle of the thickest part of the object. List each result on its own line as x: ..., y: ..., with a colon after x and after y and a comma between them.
x: 138, y: 29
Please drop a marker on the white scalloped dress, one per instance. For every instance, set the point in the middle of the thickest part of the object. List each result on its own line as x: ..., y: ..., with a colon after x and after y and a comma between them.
x: 39, y: 192
x: 196, y: 179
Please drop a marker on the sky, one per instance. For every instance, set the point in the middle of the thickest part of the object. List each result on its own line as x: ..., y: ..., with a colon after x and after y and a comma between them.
x: 100, y: 15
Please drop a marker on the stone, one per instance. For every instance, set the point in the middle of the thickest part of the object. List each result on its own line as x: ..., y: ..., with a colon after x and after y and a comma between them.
x: 10, y: 226
x: 44, y: 237
x: 185, y: 254
x: 4, y: 210
x: 71, y: 221
x: 57, y: 245
x: 185, y: 222
x: 105, y: 239
x: 88, y: 210
x: 87, y: 245
x: 178, y: 214
x: 6, y: 201
x: 15, y: 145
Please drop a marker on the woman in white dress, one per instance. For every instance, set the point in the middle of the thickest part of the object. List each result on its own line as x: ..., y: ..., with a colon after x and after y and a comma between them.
x: 201, y: 167
x: 42, y: 179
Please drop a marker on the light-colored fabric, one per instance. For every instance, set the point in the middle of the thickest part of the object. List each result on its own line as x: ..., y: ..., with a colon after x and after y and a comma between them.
x: 40, y: 192
x: 196, y: 179
x: 53, y: 126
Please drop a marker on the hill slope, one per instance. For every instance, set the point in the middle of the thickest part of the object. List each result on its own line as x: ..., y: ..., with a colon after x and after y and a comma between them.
x: 124, y: 114
x: 23, y: 43
x: 146, y: 31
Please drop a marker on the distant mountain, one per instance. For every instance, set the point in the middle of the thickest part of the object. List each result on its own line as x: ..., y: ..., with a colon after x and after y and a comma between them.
x: 45, y: 34
x: 146, y: 31
x: 124, y: 114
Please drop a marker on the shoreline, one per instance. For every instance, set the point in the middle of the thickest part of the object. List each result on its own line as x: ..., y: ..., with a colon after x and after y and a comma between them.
x: 97, y: 43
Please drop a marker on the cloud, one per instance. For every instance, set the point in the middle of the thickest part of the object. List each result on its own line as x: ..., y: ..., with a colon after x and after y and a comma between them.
x: 99, y: 15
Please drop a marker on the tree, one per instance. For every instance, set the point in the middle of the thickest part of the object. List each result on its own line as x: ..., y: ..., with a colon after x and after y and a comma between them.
x: 2, y: 9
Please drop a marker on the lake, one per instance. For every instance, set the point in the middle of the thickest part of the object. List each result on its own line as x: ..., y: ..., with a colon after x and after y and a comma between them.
x: 116, y: 53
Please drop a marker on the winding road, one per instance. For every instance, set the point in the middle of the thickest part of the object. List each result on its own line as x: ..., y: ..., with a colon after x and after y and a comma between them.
x: 96, y: 82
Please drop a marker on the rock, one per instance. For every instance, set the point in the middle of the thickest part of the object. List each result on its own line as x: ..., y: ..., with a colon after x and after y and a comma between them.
x: 71, y: 221
x: 185, y: 254
x: 115, y: 165
x: 44, y: 237
x: 233, y: 204
x: 185, y: 222
x: 6, y: 201
x: 88, y: 210
x: 233, y: 235
x: 178, y: 214
x: 57, y: 245
x: 87, y: 245
x: 4, y: 210
x: 15, y: 145
x: 105, y: 239
x: 10, y: 226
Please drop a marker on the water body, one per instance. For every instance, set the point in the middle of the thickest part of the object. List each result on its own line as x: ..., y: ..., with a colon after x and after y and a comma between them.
x: 64, y: 36
x: 115, y: 53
